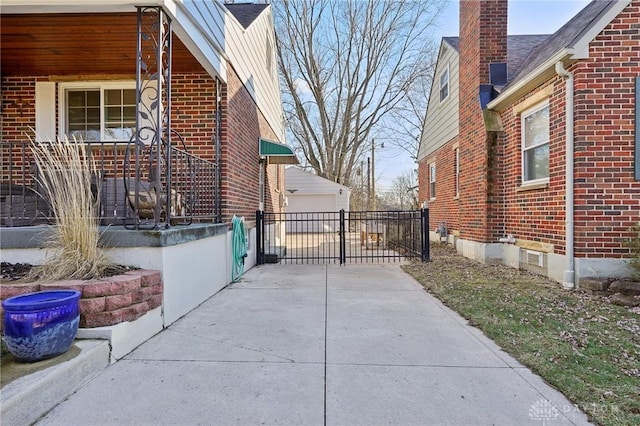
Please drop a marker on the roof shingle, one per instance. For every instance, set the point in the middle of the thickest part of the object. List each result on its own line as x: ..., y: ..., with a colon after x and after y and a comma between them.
x: 245, y: 13
x: 518, y: 49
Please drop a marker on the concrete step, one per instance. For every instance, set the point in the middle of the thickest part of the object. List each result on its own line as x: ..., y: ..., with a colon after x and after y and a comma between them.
x: 30, y: 390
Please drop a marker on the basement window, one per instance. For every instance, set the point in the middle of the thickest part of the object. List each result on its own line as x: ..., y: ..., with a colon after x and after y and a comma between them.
x: 533, y: 261
x: 535, y: 144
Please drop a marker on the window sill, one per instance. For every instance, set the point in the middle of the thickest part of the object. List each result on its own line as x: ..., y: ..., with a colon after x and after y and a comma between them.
x: 532, y: 186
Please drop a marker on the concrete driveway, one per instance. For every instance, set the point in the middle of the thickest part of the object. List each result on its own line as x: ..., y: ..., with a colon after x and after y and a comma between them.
x: 315, y: 345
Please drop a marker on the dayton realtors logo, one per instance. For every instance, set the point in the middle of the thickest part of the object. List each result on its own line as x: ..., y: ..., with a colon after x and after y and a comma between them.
x: 544, y: 411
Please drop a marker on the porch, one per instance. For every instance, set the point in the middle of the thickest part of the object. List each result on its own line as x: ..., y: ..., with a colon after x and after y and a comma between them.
x: 150, y: 93
x: 136, y: 186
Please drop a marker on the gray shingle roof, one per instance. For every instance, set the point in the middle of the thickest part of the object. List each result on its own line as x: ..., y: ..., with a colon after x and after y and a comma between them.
x: 527, y: 52
x: 518, y: 49
x: 569, y: 34
x: 245, y: 13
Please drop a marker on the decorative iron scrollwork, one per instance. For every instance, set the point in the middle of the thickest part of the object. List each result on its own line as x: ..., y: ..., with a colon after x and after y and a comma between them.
x: 151, y: 143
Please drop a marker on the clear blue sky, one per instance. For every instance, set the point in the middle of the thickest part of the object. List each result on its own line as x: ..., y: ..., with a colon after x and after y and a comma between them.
x: 525, y: 17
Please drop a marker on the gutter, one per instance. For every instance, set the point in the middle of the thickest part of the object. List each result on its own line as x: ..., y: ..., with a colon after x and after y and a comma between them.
x: 543, y: 72
x: 569, y: 272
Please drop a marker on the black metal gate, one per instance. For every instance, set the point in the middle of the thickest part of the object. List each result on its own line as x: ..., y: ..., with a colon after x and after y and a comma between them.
x: 342, y: 237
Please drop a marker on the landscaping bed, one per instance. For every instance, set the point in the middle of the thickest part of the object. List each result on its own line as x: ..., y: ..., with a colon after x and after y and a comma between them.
x: 580, y: 343
x: 105, y: 301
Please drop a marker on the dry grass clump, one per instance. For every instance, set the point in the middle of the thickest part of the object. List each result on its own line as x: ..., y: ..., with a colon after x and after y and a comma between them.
x: 65, y: 172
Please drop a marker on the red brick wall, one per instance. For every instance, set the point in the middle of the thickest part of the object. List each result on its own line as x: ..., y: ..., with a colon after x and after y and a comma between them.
x: 193, y: 105
x: 532, y: 214
x: 423, y: 180
x: 607, y: 198
x: 18, y: 107
x: 483, y: 26
x: 446, y: 205
x: 243, y: 125
x: 193, y: 116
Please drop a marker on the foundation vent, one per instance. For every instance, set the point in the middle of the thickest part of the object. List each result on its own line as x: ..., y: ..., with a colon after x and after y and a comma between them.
x: 533, y: 261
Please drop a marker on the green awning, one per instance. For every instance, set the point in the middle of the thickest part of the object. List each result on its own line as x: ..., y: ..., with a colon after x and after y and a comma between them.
x: 277, y: 153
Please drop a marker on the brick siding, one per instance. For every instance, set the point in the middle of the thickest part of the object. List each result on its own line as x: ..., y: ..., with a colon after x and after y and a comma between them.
x: 445, y: 207
x: 480, y: 21
x: 193, y: 117
x: 492, y: 202
x: 607, y: 198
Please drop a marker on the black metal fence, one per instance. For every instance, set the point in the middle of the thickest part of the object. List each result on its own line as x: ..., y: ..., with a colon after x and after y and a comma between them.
x: 342, y: 237
x: 124, y: 183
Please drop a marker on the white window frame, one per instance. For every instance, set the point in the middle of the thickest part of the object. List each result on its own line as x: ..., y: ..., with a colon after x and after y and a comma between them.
x: 447, y: 85
x: 89, y: 85
x: 432, y: 180
x: 523, y: 117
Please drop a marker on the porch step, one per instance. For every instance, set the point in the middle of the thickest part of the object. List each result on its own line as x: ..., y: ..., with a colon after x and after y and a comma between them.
x: 29, y: 391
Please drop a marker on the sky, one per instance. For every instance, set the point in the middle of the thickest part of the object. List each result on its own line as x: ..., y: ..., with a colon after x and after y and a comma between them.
x: 524, y: 17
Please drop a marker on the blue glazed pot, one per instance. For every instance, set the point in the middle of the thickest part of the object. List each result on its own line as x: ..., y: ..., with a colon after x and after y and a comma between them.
x: 41, y: 325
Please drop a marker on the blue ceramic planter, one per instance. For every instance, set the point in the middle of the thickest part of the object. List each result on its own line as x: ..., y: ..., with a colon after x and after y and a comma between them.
x: 41, y: 325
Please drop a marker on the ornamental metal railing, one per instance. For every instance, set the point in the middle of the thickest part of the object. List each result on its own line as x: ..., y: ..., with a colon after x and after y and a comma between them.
x: 133, y: 186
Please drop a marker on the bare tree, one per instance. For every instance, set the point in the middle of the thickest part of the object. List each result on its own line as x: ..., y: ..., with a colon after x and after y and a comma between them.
x: 406, y: 120
x: 403, y: 193
x: 345, y: 66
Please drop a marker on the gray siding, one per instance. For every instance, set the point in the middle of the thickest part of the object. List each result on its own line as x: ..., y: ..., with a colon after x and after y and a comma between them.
x: 246, y: 50
x: 442, y: 122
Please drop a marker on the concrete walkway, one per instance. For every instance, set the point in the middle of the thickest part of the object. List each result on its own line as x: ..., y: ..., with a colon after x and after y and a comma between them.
x: 314, y: 345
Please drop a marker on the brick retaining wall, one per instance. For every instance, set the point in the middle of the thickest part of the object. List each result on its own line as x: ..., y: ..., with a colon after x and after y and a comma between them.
x: 107, y: 301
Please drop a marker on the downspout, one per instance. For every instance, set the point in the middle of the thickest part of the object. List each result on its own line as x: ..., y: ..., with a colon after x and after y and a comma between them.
x: 569, y: 273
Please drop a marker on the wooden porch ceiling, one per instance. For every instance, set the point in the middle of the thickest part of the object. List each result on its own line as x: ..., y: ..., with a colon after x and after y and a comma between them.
x: 76, y: 44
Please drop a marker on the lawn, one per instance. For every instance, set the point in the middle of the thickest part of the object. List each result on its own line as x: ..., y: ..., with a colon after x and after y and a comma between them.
x: 581, y: 344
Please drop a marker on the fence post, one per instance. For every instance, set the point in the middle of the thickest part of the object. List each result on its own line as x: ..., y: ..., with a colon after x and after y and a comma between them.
x: 259, y: 237
x: 342, y: 239
x: 424, y: 234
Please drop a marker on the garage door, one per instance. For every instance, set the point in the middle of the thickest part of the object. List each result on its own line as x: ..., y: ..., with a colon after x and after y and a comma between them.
x: 312, y: 204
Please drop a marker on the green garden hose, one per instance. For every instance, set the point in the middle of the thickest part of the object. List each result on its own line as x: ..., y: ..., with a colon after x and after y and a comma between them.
x: 239, y: 248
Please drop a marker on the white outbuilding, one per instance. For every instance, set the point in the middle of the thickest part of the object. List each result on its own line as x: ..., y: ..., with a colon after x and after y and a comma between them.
x: 310, y: 193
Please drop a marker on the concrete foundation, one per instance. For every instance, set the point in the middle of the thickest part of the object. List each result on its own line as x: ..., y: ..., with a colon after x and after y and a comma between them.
x: 509, y: 254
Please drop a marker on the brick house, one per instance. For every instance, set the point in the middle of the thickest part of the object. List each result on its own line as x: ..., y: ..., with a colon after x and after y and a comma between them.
x: 69, y: 68
x: 178, y: 102
x: 530, y: 153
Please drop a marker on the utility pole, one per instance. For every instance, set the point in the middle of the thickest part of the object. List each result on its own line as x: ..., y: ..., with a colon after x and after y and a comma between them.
x: 368, y: 183
x: 373, y: 174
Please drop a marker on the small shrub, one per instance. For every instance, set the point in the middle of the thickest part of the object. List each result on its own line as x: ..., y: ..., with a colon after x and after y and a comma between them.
x: 65, y: 173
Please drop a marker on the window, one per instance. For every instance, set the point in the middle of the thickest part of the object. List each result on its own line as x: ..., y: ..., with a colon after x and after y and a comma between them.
x: 99, y: 112
x: 444, y: 84
x: 432, y: 180
x: 457, y: 169
x: 535, y: 144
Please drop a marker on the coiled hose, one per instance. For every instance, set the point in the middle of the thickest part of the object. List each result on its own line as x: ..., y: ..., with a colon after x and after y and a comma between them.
x: 239, y: 248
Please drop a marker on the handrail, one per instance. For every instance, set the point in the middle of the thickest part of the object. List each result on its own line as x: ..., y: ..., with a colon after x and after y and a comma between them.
x: 192, y: 186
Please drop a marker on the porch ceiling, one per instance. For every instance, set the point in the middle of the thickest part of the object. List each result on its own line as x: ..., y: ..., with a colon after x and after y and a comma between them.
x: 76, y: 44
